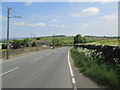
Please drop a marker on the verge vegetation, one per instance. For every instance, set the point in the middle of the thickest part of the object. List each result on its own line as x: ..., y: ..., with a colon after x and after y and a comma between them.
x: 92, y: 64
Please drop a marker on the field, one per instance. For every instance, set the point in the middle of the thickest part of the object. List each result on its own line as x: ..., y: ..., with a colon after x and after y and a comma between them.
x: 110, y: 42
x: 68, y: 40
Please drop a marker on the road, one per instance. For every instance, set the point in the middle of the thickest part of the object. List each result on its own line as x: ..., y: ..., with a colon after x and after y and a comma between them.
x: 43, y: 69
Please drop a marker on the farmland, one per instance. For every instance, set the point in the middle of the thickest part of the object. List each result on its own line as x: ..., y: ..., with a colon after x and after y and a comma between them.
x: 110, y: 42
x: 68, y: 40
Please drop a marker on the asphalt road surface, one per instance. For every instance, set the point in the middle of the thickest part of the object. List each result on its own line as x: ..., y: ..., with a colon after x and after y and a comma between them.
x: 43, y: 69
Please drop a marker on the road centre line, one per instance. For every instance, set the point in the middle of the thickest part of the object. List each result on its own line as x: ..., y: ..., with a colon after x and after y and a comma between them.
x: 19, y: 67
x: 36, y: 59
x: 48, y: 54
x: 9, y: 71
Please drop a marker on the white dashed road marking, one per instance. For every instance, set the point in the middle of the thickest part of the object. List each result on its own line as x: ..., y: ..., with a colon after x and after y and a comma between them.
x: 36, y: 59
x: 9, y: 71
x: 48, y: 54
x: 19, y: 67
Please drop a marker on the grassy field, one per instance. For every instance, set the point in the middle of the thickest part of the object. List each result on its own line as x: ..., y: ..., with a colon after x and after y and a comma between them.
x: 68, y: 40
x: 103, y: 73
x: 110, y: 42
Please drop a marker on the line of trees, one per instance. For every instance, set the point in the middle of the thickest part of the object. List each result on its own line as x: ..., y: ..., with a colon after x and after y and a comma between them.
x: 16, y: 44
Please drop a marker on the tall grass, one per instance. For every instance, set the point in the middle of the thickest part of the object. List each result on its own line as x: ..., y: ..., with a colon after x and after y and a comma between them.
x: 91, y: 64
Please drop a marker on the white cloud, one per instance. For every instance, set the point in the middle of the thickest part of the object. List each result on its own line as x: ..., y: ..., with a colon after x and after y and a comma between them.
x: 28, y: 3
x: 19, y: 24
x: 54, y: 20
x: 29, y: 24
x: 110, y: 17
x: 57, y: 25
x: 87, y: 12
x: 36, y: 25
x: 85, y: 25
x: 2, y: 17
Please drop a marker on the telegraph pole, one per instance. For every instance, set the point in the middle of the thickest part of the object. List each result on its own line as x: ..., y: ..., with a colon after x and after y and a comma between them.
x: 8, y: 21
x: 8, y: 24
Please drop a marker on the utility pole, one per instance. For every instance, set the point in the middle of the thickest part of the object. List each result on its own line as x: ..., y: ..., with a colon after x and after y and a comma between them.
x: 8, y: 24
x: 8, y: 21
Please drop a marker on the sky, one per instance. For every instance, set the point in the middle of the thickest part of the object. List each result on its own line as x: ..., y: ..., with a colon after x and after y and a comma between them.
x: 60, y: 18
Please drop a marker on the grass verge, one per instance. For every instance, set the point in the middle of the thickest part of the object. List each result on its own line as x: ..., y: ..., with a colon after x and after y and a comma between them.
x: 91, y: 64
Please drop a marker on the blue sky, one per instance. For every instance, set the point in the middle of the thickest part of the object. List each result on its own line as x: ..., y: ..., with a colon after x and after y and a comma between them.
x: 68, y: 18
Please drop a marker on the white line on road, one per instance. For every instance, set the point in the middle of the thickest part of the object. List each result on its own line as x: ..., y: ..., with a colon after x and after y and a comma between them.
x: 19, y: 67
x: 9, y: 71
x: 48, y: 54
x: 73, y: 80
x: 71, y: 71
x: 36, y: 59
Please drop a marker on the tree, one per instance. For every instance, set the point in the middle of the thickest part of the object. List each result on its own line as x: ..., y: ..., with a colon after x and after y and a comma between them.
x: 79, y: 39
x: 25, y: 43
x: 16, y: 44
x: 4, y: 46
x: 54, y: 41
x: 34, y: 44
x: 57, y: 42
x: 38, y: 38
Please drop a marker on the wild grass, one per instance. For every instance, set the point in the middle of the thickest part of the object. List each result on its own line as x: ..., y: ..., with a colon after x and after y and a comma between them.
x: 88, y: 62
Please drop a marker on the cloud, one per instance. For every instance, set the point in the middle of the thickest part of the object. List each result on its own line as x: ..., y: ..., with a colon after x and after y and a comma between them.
x: 28, y: 3
x: 36, y: 25
x: 57, y: 25
x: 29, y: 24
x: 54, y: 20
x: 85, y: 25
x: 87, y: 12
x: 19, y: 24
x: 2, y: 17
x: 110, y: 17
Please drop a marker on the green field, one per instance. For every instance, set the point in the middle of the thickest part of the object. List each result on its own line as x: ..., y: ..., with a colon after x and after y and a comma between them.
x: 68, y: 40
x: 110, y: 42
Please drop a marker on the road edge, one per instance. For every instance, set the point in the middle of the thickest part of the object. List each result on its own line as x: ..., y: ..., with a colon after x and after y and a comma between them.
x: 71, y: 71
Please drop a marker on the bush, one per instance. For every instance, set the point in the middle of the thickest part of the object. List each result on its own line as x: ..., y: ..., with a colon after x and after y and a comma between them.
x: 16, y: 44
x: 34, y: 44
x: 38, y: 38
x: 57, y: 42
x: 24, y: 43
x: 4, y: 46
x: 20, y: 43
x: 88, y: 63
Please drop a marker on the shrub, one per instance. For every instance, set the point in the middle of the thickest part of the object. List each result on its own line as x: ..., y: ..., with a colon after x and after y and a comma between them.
x: 38, y: 38
x: 88, y: 62
x: 34, y: 44
x: 16, y: 44
x: 4, y: 46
